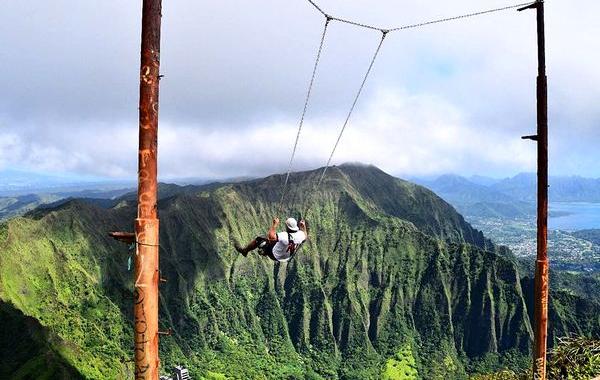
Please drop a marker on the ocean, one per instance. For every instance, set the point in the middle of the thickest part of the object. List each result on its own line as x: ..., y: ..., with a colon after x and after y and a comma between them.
x: 574, y: 216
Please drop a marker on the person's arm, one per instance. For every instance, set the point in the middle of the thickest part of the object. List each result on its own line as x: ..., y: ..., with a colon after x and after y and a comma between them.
x: 302, y: 226
x: 272, y: 234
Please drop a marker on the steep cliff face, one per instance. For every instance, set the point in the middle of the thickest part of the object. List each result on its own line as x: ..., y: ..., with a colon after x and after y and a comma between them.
x: 392, y: 279
x: 60, y: 269
x: 26, y: 349
x: 574, y: 305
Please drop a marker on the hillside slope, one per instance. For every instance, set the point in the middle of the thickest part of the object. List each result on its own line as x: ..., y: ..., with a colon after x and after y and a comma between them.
x: 391, y: 275
x: 26, y: 350
x: 561, y: 189
x: 478, y: 200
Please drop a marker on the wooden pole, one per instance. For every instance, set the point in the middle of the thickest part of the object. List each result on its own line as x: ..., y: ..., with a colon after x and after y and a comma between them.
x: 146, y: 225
x: 541, y: 268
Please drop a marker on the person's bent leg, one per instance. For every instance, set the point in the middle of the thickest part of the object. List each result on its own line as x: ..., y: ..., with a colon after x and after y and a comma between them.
x: 250, y: 247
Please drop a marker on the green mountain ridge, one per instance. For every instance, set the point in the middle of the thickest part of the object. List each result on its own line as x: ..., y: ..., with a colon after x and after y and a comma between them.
x: 16, y: 205
x: 478, y: 200
x: 393, y: 281
x: 561, y: 188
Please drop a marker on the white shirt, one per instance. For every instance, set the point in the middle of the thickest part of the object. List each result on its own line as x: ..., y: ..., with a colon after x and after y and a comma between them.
x: 282, y: 250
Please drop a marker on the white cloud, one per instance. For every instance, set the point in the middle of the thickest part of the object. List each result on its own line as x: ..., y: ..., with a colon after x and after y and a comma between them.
x: 420, y: 134
x: 89, y: 149
x: 9, y: 146
x: 448, y: 97
x: 401, y: 133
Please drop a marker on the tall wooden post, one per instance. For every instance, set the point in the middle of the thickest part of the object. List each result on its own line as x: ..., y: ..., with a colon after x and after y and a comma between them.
x: 541, y: 268
x: 146, y: 225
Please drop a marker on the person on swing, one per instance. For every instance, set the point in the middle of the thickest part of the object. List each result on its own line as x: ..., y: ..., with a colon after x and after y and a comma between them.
x: 278, y: 246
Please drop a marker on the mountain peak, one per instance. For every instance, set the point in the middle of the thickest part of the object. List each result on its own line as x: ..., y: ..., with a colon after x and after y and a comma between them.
x: 374, y: 277
x: 372, y: 190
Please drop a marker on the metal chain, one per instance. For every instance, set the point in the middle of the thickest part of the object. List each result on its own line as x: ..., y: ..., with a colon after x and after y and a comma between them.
x: 306, y: 101
x: 311, y: 192
x: 362, y: 86
x: 412, y: 26
x: 384, y: 34
x: 418, y: 25
x: 357, y: 24
x: 318, y: 8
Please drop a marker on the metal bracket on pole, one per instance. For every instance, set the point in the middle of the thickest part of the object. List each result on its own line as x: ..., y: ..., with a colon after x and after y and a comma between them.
x: 530, y: 137
x: 168, y: 332
x: 530, y: 6
x: 124, y: 237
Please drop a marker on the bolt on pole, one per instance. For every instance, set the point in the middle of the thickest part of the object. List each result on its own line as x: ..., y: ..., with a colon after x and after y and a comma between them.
x: 541, y: 267
x: 146, y: 274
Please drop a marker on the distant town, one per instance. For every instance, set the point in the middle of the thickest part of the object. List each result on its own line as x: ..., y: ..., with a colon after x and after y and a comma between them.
x: 567, y: 250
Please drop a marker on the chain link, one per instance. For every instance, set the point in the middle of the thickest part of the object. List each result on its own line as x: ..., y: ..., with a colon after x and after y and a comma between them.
x: 468, y: 15
x: 384, y: 32
x: 306, y: 101
x: 318, y: 8
x: 421, y: 24
x: 362, y: 86
x: 356, y: 23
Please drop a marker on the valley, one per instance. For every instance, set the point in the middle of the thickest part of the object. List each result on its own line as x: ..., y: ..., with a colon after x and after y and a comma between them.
x: 505, y: 212
x: 392, y: 279
x: 567, y: 250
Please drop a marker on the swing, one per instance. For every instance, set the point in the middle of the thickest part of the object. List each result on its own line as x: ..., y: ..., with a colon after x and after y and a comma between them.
x: 384, y: 32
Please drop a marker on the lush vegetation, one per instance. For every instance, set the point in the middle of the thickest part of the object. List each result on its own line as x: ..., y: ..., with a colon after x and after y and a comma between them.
x: 393, y: 284
x: 573, y: 358
x: 401, y: 367
x: 17, y: 205
x: 25, y: 352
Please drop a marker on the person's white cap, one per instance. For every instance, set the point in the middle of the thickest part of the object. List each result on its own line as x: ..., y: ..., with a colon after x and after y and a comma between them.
x: 291, y: 224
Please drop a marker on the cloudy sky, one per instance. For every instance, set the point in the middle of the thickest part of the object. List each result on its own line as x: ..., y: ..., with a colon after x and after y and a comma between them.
x: 452, y: 97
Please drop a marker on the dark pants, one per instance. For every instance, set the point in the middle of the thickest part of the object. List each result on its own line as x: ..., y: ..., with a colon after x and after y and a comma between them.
x: 265, y: 247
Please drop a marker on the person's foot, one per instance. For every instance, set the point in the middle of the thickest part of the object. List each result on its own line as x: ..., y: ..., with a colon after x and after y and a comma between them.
x: 241, y: 250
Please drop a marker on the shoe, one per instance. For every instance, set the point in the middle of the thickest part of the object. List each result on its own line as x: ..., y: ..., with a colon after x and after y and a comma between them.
x: 241, y: 250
